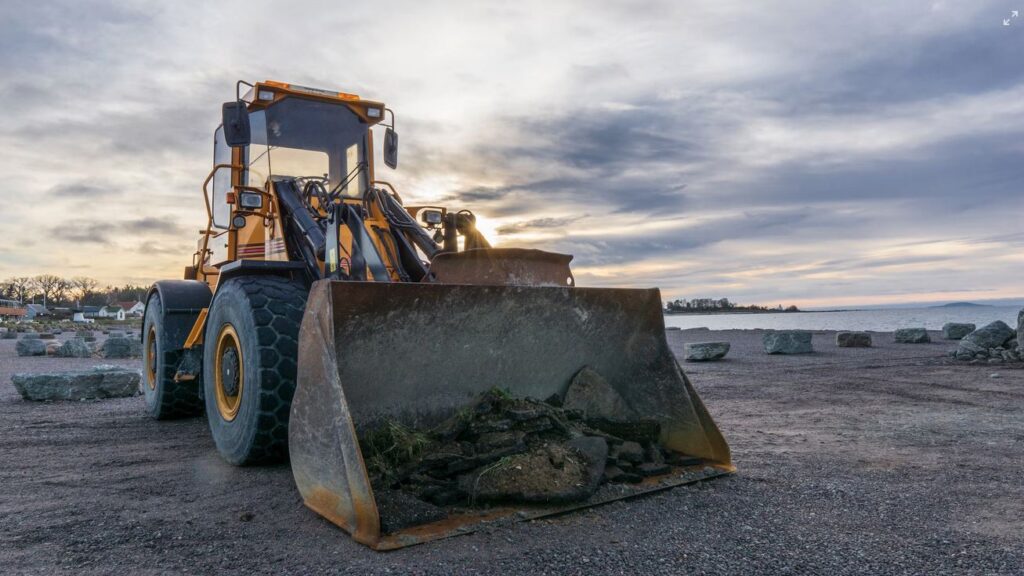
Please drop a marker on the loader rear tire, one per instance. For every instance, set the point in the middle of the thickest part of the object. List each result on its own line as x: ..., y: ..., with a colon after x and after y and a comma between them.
x: 249, y: 365
x: 165, y: 398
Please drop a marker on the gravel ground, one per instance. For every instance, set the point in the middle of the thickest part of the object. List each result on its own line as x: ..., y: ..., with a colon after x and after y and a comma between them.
x: 890, y: 460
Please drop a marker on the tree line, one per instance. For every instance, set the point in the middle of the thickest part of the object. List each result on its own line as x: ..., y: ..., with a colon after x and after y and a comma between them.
x: 723, y: 304
x: 53, y: 290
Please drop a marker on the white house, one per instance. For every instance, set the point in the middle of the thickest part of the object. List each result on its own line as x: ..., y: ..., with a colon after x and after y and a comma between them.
x: 115, y: 312
x: 136, y: 308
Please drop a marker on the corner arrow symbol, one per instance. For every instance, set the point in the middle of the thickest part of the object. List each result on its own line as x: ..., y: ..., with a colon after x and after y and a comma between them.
x: 1015, y: 13
x: 1006, y: 21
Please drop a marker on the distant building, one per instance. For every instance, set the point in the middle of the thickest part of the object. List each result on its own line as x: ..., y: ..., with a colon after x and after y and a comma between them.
x: 33, y: 311
x: 11, y: 310
x: 115, y: 312
x: 136, y: 308
x: 91, y: 311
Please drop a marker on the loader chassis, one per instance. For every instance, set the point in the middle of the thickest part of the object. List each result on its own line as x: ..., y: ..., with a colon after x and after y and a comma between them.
x: 318, y: 306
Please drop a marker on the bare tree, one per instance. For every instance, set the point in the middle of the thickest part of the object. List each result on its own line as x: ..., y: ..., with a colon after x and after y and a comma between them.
x: 20, y: 287
x: 82, y: 288
x: 51, y: 287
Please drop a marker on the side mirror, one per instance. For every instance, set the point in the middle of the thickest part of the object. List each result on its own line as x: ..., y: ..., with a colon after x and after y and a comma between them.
x: 391, y: 148
x: 235, y: 118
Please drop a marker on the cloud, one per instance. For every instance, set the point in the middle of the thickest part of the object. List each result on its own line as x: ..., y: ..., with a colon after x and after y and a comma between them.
x: 82, y: 190
x: 809, y: 152
x: 536, y: 224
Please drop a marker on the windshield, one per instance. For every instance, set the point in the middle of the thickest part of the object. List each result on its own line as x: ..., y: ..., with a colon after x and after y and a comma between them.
x: 310, y: 139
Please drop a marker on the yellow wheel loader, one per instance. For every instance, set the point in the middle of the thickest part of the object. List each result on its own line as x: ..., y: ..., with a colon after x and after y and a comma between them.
x: 319, y: 308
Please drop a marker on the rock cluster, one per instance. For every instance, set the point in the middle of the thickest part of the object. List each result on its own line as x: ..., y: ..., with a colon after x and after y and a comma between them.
x: 787, y: 342
x: 853, y: 340
x: 911, y: 336
x: 100, y: 382
x: 956, y: 330
x: 505, y: 449
x: 9, y: 335
x: 705, y: 351
x: 994, y: 343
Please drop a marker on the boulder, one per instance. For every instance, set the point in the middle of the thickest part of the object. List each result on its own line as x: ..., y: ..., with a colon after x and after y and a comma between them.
x: 52, y: 346
x: 853, y: 339
x: 46, y: 336
x: 1020, y: 332
x: 594, y: 450
x: 987, y: 337
x: 705, y: 351
x: 30, y: 347
x: 30, y: 336
x: 116, y: 334
x: 99, y: 382
x: 787, y: 342
x: 594, y: 397
x: 74, y: 348
x: 956, y: 330
x: 119, y: 347
x: 9, y: 335
x: 911, y: 336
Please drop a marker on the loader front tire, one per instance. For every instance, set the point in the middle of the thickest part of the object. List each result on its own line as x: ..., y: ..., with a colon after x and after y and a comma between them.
x: 249, y: 365
x: 165, y: 398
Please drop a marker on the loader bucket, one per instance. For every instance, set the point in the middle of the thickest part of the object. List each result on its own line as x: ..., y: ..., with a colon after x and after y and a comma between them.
x: 373, y: 353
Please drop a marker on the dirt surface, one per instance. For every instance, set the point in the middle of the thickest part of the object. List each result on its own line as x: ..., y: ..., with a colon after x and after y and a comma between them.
x: 888, y: 460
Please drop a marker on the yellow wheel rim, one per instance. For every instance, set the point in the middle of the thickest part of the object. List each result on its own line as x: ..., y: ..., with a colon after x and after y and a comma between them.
x: 151, y: 359
x: 228, y: 373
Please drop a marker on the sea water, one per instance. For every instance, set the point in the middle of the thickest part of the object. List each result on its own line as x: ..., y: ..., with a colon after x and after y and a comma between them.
x: 878, y: 320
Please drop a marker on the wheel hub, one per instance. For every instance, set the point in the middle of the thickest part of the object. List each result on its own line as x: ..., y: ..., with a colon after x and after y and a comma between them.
x: 229, y: 371
x: 151, y: 359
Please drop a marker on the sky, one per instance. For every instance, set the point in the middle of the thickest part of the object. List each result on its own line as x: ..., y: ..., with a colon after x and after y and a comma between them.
x: 818, y: 153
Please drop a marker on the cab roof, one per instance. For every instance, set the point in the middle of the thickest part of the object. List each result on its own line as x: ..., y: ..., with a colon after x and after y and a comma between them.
x: 265, y: 93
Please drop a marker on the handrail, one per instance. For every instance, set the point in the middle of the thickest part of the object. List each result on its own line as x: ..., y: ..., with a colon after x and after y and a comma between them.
x: 389, y: 185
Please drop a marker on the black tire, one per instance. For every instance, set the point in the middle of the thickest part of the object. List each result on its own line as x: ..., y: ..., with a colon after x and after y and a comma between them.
x: 256, y: 318
x: 165, y: 398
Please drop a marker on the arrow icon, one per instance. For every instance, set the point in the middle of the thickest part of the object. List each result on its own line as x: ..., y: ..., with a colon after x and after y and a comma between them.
x: 1015, y: 13
x: 1006, y: 21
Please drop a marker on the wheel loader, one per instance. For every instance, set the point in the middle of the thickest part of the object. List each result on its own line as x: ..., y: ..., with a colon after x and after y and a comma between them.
x: 318, y: 307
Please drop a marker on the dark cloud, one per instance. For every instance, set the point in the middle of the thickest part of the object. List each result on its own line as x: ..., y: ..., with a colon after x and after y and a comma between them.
x: 536, y: 224
x: 92, y: 232
x: 81, y: 190
x: 970, y: 60
x: 83, y: 232
x: 151, y: 225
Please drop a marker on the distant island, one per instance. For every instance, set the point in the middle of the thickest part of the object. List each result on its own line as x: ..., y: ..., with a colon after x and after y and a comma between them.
x: 962, y: 305
x: 720, y: 306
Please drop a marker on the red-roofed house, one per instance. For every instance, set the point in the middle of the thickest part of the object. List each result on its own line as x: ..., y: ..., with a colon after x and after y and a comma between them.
x: 132, y: 308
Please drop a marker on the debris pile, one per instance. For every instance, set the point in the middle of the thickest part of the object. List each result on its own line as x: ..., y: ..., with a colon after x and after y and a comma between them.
x: 502, y: 449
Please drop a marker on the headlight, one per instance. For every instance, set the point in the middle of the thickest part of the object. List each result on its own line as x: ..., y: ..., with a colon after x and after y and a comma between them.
x: 238, y: 221
x: 251, y: 200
